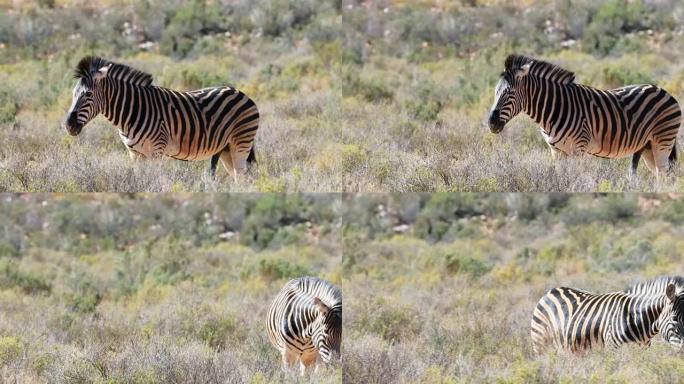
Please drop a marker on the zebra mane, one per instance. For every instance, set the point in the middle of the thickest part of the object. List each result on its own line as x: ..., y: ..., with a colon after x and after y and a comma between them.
x: 89, y: 65
x: 541, y: 69
x: 656, y: 286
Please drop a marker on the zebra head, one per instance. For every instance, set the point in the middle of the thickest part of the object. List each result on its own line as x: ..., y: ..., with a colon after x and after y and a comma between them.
x: 508, y: 94
x: 673, y: 327
x: 327, y: 330
x: 87, y: 96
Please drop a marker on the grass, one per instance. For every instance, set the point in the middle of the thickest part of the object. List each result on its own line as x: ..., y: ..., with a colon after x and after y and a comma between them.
x: 433, y: 320
x: 147, y: 303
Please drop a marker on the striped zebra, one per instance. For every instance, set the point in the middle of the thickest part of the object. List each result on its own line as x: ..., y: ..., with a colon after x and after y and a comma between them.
x: 217, y: 123
x: 305, y: 322
x: 636, y: 120
x: 576, y: 320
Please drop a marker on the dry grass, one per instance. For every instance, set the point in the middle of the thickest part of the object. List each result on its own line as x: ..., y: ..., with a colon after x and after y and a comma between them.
x: 86, y: 310
x: 432, y: 320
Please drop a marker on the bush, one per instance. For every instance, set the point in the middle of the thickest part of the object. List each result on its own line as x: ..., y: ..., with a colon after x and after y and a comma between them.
x: 193, y: 19
x: 392, y: 322
x: 374, y: 89
x: 10, y: 349
x: 612, y: 21
x: 272, y: 270
x: 615, y: 77
x: 473, y: 267
x: 11, y: 276
x: 441, y: 212
x: 216, y: 331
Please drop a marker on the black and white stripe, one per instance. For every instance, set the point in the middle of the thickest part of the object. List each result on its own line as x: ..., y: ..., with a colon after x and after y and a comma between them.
x: 636, y: 120
x: 217, y: 123
x: 305, y: 322
x: 576, y: 320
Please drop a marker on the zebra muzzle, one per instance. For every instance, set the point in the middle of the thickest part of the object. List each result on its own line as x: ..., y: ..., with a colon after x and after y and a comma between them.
x: 73, y: 127
x: 495, y: 123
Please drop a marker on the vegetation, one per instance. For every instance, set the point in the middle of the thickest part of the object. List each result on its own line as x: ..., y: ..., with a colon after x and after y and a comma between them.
x: 355, y: 96
x: 155, y: 288
x: 441, y: 287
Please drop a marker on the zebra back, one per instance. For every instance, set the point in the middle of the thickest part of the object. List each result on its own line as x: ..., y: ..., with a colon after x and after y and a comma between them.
x: 576, y: 320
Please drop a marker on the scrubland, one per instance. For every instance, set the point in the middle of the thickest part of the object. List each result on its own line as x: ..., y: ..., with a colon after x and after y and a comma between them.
x: 438, y: 288
x: 155, y: 288
x: 441, y: 288
x: 354, y: 96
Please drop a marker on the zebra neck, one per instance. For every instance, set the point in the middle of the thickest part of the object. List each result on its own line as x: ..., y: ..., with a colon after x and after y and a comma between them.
x: 543, y: 103
x: 124, y: 105
x: 648, y: 316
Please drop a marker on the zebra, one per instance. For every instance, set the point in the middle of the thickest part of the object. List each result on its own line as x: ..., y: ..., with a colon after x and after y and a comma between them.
x: 655, y: 286
x: 576, y: 320
x: 305, y: 322
x: 636, y: 120
x: 217, y: 123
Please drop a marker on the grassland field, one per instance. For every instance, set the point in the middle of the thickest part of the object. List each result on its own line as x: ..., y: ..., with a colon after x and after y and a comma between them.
x: 354, y: 96
x: 441, y: 289
x: 155, y: 289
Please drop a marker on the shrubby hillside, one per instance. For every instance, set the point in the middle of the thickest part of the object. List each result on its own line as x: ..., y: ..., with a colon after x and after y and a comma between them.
x: 441, y: 288
x: 155, y: 288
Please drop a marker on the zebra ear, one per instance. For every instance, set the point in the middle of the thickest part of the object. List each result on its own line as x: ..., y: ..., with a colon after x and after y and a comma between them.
x: 102, y: 72
x: 523, y: 70
x: 670, y: 291
x: 322, y: 308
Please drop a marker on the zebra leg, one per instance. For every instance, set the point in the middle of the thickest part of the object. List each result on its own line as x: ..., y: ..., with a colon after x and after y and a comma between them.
x: 239, y: 161
x: 662, y: 162
x: 212, y: 167
x: 227, y: 161
x: 135, y: 155
x: 647, y: 154
x: 635, y: 163
x: 288, y: 360
x: 307, y: 361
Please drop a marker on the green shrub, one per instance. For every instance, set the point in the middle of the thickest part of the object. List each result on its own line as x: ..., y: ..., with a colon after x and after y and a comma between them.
x: 10, y: 349
x: 216, y: 331
x: 272, y: 270
x: 458, y: 263
x: 374, y: 89
x: 193, y: 19
x: 85, y: 294
x: 442, y: 211
x: 673, y: 211
x: 11, y: 276
x: 612, y: 21
x: 615, y: 77
x: 392, y: 322
x: 424, y: 103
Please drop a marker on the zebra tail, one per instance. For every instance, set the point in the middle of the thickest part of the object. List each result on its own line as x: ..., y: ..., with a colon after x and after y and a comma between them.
x: 251, y: 158
x: 673, y: 154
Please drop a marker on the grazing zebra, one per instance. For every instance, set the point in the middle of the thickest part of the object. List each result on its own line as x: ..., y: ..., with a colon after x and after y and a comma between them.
x: 217, y: 123
x: 305, y: 322
x: 576, y: 320
x: 636, y: 120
